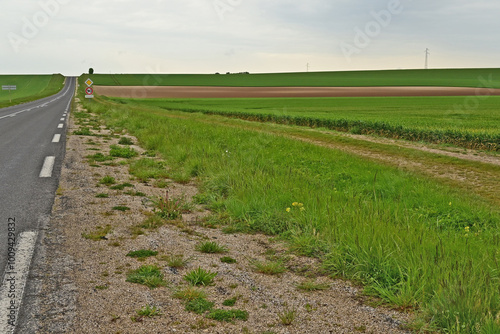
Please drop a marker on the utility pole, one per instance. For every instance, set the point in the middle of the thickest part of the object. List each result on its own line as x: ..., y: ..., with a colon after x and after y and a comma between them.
x: 427, y: 53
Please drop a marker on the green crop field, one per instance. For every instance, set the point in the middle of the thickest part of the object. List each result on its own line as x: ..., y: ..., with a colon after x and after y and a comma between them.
x: 29, y: 87
x: 441, y: 77
x: 417, y: 243
x: 472, y: 122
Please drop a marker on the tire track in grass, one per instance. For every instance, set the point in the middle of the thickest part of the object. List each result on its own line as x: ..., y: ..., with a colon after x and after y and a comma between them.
x: 481, y: 177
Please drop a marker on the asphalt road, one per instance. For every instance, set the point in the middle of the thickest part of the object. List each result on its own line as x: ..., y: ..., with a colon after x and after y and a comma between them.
x: 32, y: 146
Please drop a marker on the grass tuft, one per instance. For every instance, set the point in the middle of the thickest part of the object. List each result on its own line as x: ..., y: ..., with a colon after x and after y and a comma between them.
x: 268, y: 267
x: 142, y: 253
x: 200, y: 277
x: 99, y: 233
x: 228, y: 315
x: 189, y: 293
x: 211, y: 247
x: 148, y: 275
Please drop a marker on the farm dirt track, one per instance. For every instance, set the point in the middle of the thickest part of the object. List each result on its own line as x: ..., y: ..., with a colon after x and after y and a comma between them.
x: 256, y: 92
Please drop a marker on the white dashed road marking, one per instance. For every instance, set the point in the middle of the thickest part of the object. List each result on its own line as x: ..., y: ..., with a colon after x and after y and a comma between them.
x: 62, y: 119
x: 48, y: 166
x: 14, y: 282
x: 60, y: 126
x: 57, y: 138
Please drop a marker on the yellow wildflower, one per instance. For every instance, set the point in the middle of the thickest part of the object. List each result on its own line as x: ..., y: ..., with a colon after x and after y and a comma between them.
x: 302, y: 209
x: 288, y: 209
x: 295, y: 203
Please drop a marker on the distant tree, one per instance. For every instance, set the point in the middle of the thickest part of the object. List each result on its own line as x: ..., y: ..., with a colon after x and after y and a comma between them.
x: 91, y: 70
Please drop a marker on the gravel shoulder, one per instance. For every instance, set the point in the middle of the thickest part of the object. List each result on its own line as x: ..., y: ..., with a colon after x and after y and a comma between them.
x: 82, y: 287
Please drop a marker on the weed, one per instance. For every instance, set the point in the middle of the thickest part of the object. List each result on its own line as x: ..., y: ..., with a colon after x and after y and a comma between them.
x: 228, y: 315
x: 99, y: 234
x: 148, y: 275
x: 199, y: 305
x: 136, y: 231
x: 83, y: 132
x: 200, y: 277
x: 211, y: 247
x: 102, y: 195
x: 189, y: 293
x: 312, y: 286
x: 148, y: 311
x: 168, y: 208
x: 268, y: 267
x: 230, y: 302
x: 102, y: 287
x: 121, y: 208
x: 107, y: 180
x: 287, y: 317
x: 361, y: 329
x: 121, y: 186
x: 176, y: 261
x: 99, y: 157
x: 122, y: 152
x: 152, y: 222
x: 145, y: 169
x: 143, y: 253
x: 162, y: 184
x: 125, y: 141
x: 227, y: 259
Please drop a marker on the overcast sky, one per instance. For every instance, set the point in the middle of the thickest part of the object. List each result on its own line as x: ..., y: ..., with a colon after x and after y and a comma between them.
x: 208, y: 36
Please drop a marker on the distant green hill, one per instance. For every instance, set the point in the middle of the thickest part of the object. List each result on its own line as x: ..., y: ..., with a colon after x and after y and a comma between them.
x: 29, y: 87
x: 439, y: 77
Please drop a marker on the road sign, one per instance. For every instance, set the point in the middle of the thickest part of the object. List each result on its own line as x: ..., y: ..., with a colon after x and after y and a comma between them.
x: 9, y: 88
x: 89, y: 82
x: 89, y: 96
x: 89, y: 91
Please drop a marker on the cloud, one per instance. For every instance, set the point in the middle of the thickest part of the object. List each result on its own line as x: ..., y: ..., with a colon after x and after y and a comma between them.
x: 260, y: 36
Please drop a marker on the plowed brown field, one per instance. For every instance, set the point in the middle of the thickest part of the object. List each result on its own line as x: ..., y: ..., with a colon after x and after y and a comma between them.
x: 255, y: 92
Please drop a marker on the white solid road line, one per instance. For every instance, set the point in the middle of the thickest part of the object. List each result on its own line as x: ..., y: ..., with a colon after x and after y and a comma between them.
x: 48, y: 165
x: 57, y: 138
x: 14, y: 282
x: 60, y: 126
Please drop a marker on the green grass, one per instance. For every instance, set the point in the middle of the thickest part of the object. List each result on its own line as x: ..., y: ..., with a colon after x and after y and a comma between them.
x: 177, y: 261
x: 142, y: 253
x: 98, y: 234
x: 199, y: 305
x: 230, y: 302
x: 149, y: 311
x: 145, y: 169
x: 122, y: 186
x: 268, y: 267
x: 393, y: 231
x: 107, y: 180
x: 29, y: 87
x: 121, y: 208
x: 227, y: 259
x: 287, y: 317
x: 190, y: 293
x: 211, y: 247
x: 148, y: 275
x: 433, y: 77
x: 125, y: 141
x: 228, y: 315
x: 442, y: 120
x: 122, y: 152
x: 200, y: 276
